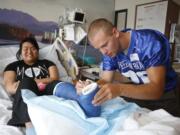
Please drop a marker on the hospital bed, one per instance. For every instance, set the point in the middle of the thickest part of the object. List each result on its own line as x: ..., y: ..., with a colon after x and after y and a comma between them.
x: 56, y: 116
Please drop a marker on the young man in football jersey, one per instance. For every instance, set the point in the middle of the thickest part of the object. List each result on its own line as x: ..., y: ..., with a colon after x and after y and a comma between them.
x: 142, y: 56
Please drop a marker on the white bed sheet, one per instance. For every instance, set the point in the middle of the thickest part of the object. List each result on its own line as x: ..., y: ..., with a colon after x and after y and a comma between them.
x: 51, y: 115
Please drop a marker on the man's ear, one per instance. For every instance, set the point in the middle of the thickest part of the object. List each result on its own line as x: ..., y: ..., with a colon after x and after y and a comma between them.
x: 115, y: 32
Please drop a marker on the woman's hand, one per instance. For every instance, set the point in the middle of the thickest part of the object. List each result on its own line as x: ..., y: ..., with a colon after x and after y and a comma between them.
x: 41, y: 86
x: 15, y: 85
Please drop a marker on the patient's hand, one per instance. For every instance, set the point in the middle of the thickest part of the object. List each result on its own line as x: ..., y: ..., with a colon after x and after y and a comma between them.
x: 15, y: 85
x: 41, y: 86
x: 81, y: 84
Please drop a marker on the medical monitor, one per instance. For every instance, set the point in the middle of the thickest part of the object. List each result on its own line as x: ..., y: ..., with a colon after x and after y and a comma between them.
x: 77, y: 17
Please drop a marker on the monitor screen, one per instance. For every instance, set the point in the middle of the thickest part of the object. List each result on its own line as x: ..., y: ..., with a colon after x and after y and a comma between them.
x: 79, y: 17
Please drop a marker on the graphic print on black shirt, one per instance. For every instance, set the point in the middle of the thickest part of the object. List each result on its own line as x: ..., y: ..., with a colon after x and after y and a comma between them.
x: 38, y: 70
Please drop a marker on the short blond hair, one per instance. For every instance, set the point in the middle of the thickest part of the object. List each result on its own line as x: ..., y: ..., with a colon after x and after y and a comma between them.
x: 100, y: 24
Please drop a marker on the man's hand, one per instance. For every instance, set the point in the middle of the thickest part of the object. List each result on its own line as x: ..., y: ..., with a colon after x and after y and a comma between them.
x: 106, y: 92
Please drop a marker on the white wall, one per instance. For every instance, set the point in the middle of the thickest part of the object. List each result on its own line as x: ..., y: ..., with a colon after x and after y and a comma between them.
x: 50, y: 10
x: 131, y: 6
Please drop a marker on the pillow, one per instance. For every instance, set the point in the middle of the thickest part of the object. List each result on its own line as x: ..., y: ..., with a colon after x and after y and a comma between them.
x: 50, y: 53
x: 8, y: 55
x: 5, y: 62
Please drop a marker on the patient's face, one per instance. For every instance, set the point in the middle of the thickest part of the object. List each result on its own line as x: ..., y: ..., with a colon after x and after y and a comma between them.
x: 29, y: 53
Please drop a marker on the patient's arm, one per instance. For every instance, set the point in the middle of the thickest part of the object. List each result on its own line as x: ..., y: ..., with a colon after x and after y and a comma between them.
x: 53, y: 75
x: 10, y: 82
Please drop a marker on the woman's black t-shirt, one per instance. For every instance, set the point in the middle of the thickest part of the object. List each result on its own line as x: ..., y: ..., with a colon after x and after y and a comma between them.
x: 26, y: 75
x: 38, y: 70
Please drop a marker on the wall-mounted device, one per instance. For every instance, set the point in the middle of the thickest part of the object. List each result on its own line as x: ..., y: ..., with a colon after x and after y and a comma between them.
x: 72, y: 33
x: 71, y: 30
x: 76, y: 16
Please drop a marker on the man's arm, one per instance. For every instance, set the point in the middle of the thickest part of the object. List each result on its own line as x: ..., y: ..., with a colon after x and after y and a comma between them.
x: 150, y: 91
x: 106, y: 77
x: 112, y: 76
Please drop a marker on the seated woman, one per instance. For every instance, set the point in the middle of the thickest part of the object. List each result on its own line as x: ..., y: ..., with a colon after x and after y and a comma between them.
x: 29, y: 72
x: 41, y: 77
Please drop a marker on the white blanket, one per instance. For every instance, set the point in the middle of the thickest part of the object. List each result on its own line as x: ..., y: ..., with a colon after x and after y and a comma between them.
x: 56, y: 116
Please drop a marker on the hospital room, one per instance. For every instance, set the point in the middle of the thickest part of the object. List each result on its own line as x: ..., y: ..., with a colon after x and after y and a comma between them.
x: 89, y: 67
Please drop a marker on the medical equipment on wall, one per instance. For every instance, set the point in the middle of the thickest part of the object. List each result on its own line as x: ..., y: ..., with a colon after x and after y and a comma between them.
x: 76, y: 16
x: 72, y: 33
x: 70, y: 25
x: 69, y: 32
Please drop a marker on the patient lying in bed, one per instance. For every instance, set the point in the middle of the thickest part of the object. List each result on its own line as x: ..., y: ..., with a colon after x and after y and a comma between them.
x: 39, y: 76
x: 27, y: 72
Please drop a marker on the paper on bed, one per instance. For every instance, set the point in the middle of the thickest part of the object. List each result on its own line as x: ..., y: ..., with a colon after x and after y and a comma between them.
x: 52, y: 116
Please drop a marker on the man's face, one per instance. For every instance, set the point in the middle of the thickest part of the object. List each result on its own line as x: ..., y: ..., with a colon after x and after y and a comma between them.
x: 106, y: 44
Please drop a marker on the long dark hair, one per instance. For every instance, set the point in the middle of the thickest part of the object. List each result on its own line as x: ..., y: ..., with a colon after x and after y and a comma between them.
x: 31, y: 40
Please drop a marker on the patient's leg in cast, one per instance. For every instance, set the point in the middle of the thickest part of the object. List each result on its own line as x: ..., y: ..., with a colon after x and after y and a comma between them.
x: 65, y: 90
x: 68, y: 91
x: 85, y: 100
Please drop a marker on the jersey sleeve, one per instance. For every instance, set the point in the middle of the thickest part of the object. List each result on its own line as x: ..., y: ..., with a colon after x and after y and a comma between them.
x: 109, y: 64
x: 157, y: 52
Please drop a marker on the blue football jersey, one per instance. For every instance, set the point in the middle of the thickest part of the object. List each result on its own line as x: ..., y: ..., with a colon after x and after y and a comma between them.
x: 148, y: 48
